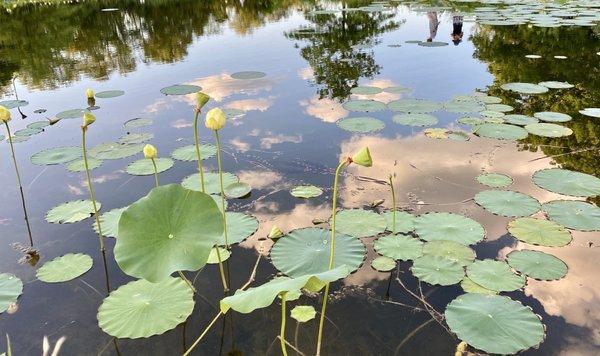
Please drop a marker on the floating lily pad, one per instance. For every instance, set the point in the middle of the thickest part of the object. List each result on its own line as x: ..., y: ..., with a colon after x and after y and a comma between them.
x: 417, y: 106
x: 360, y: 223
x: 449, y: 227
x: 437, y: 270
x: 109, y: 94
x: 495, y: 275
x: 556, y: 85
x: 114, y: 150
x: 188, y: 153
x: 213, y: 258
x: 27, y: 132
x: 491, y: 114
x: 142, y: 309
x: 396, y: 90
x: 182, y: 89
x: 303, y: 313
x: 567, y: 182
x: 550, y: 116
x: 364, y: 105
x: 488, y: 99
x: 520, y: 120
x: 78, y: 165
x: 240, y: 226
x: 495, y: 180
x: 418, y: 120
x: 495, y: 324
x: 537, y: 264
x: 306, y: 191
x: 237, y: 190
x: 383, y: 264
x: 38, y: 124
x: 548, y: 130
x: 71, y: 114
x: 463, y: 106
x: 365, y: 90
x: 472, y: 121
x: 503, y: 108
x: 11, y: 288
x: 451, y: 250
x: 591, y: 112
x: 137, y: 123
x: 576, y: 215
x: 71, y: 212
x: 306, y: 251
x: 361, y: 124
x: 433, y: 44
x: 405, y: 222
x: 248, y: 75
x: 109, y: 222
x: 144, y: 166
x: 212, y: 183
x: 171, y: 229
x: 525, y: 88
x: 539, y: 232
x: 134, y: 138
x: 471, y: 287
x: 507, y: 203
x: 500, y: 131
x: 437, y: 133
x: 64, y: 268
x: 399, y: 247
x: 13, y: 104
x: 57, y: 155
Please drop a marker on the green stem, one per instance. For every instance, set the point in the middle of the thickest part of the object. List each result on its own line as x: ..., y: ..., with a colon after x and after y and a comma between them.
x: 282, y: 331
x: 155, y: 172
x: 393, y: 206
x: 331, y: 253
x: 14, y: 158
x: 197, y: 143
x: 222, y: 188
x: 91, y: 189
x: 221, y: 270
x: 203, y: 334
x: 189, y: 283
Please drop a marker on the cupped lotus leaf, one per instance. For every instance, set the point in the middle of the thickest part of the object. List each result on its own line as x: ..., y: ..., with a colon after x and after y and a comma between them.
x: 213, y: 258
x: 137, y: 123
x: 245, y: 75
x: 545, y: 129
x: 359, y: 223
x: 437, y: 133
x: 57, y: 155
x: 114, y: 150
x: 361, y: 124
x: 521, y: 120
x: 449, y: 227
x: 437, y: 270
x: 171, y: 229
x: 576, y: 215
x: 471, y: 121
x: 142, y: 309
x: 262, y: 296
x: 188, y: 153
x: 495, y: 180
x: 551, y: 116
x: 107, y: 94
x: 495, y: 275
x: 134, y: 138
x: 463, y: 106
x: 211, y: 182
x: 364, y: 105
x: 591, y: 112
x: 493, y: 323
x: 28, y: 132
x: 471, y: 287
x: 240, y: 226
x: 500, y: 131
x: 144, y: 166
x: 383, y: 264
x: 71, y: 212
x: 567, y: 182
x: 451, y: 250
x: 13, y: 104
x: 399, y: 247
x: 306, y: 191
x: 405, y: 222
x: 365, y: 90
x: 109, y: 222
x: 503, y: 108
x: 507, y: 203
x: 71, y: 114
x: 78, y: 165
x: 537, y: 264
x: 525, y: 88
x: 306, y: 251
x: 11, y: 288
x: 556, y: 85
x: 417, y: 120
x: 303, y: 313
x: 182, y: 89
x: 64, y: 268
x: 237, y: 190
x: 417, y: 106
x: 539, y: 232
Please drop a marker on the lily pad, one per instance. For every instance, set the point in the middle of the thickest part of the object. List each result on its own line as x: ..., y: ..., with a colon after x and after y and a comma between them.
x: 417, y: 106
x: 71, y: 114
x: 248, y: 75
x: 240, y: 226
x: 303, y: 313
x: 28, y: 132
x: 507, y: 203
x: 365, y: 90
x: 64, y: 268
x: 525, y: 88
x: 109, y: 94
x: 503, y: 108
x: 134, y: 138
x: 520, y: 120
x: 361, y: 124
x: 188, y: 153
x: 110, y: 222
x: 71, y: 212
x: 137, y: 123
x: 551, y: 116
x: 539, y: 232
x: 405, y: 222
x: 437, y: 270
x: 495, y: 180
x: 451, y: 250
x: 591, y: 112
x: 396, y: 90
x: 360, y: 223
x: 500, y: 131
x: 78, y: 165
x: 11, y: 288
x: 57, y: 155
x: 233, y: 113
x: 144, y: 166
x: 383, y: 264
x: 449, y: 227
x: 13, y: 104
x: 537, y: 264
x: 364, y: 105
x: 211, y: 182
x: 556, y: 85
x: 399, y: 247
x: 576, y: 215
x: 418, y: 120
x: 471, y: 287
x: 114, y: 150
x: 306, y: 191
x: 237, y: 190
x: 182, y: 89
x: 495, y: 275
x: 213, y: 258
x: 567, y: 182
x: 463, y: 106
x: 433, y: 44
x: 548, y: 130
x: 471, y: 121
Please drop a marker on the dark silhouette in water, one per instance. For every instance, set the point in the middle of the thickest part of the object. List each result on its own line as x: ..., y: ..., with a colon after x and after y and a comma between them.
x: 457, y: 33
x: 434, y: 23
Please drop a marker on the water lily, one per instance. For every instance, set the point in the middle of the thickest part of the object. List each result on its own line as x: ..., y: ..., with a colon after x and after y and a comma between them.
x: 215, y: 119
x: 150, y: 151
x: 88, y: 119
x: 4, y: 114
x: 363, y: 157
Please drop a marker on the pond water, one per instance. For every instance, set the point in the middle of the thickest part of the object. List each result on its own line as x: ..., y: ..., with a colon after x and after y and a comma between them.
x: 282, y: 134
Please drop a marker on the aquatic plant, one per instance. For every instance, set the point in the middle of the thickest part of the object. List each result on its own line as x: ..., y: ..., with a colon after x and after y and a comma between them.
x: 151, y: 153
x: 201, y: 100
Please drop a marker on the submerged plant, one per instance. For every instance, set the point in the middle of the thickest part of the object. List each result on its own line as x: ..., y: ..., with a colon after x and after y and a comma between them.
x: 151, y: 153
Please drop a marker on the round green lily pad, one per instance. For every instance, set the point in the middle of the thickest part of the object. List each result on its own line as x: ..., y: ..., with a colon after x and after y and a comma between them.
x: 463, y: 106
x: 237, y: 190
x: 13, y: 104
x: 591, y: 112
x: 525, y: 88
x: 213, y: 258
x: 359, y: 223
x: 437, y: 270
x: 212, y: 183
x: 306, y: 191
x: 545, y: 129
x: 459, y: 136
x: 537, y: 264
x: 303, y: 313
x: 28, y: 132
x: 493, y: 323
x: 432, y: 44
x: 471, y: 121
x: 567, y: 182
x: 245, y: 75
x: 495, y: 275
x: 114, y: 150
x: 539, y: 232
x: 495, y: 180
x: 471, y: 287
x: 451, y: 250
x: 233, y: 113
x: 182, y: 89
x: 383, y: 264
x: 110, y: 222
x: 71, y: 212
x: 551, y: 116
x: 399, y: 247
x: 361, y: 124
x: 556, y: 85
x: 240, y: 226
x: 503, y: 108
x: 365, y: 90
x: 65, y: 268
x: 576, y: 215
x: 142, y: 309
x: 417, y: 106
x: 144, y: 166
x: 134, y: 138
x: 521, y: 120
x: 71, y: 114
x: 488, y: 99
x: 500, y: 131
x: 364, y: 105
x: 405, y: 222
x: 57, y: 155
x: 490, y: 114
x: 418, y: 120
x: 507, y: 203
x: 396, y: 90
x: 11, y: 288
x: 137, y: 123
x: 109, y: 94
x: 78, y: 165
x: 306, y: 251
x: 188, y: 153
x: 449, y: 227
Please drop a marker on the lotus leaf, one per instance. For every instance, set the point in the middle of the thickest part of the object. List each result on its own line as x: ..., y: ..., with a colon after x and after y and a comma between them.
x: 211, y: 182
x: 11, y: 288
x: 538, y: 265
x: 507, y: 203
x: 437, y: 270
x: 576, y: 215
x: 71, y: 212
x: 361, y: 124
x: 405, y: 222
x: 188, y: 153
x: 240, y: 226
x: 182, y: 89
x: 399, y: 247
x: 495, y: 275
x: 545, y: 129
x: 418, y: 120
x: 64, y: 268
x: 567, y: 182
x: 495, y: 180
x: 57, y: 155
x: 500, y: 131
x: 306, y: 191
x: 550, y: 116
x: 364, y: 105
x: 303, y: 313
x: 449, y: 227
x: 248, y: 75
x: 451, y: 250
x: 383, y: 264
x: 109, y: 222
x: 360, y: 223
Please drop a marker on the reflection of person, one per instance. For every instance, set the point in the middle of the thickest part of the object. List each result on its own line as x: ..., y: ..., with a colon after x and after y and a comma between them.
x: 433, y: 25
x: 457, y: 24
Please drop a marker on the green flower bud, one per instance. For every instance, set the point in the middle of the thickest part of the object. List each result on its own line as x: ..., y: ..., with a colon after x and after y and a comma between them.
x: 215, y: 119
x: 4, y: 114
x: 201, y: 100
x: 363, y: 157
x: 275, y: 233
x: 150, y: 152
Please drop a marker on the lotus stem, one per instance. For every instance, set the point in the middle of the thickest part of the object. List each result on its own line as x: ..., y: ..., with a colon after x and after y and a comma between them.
x: 91, y: 188
x: 282, y: 331
x: 14, y: 158
x: 222, y: 188
x: 393, y: 206
x: 187, y: 281
x: 155, y: 172
x: 212, y: 323
x: 221, y: 270
x: 197, y: 143
x: 331, y: 252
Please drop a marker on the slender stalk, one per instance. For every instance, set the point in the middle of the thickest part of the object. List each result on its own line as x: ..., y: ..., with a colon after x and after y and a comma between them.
x: 155, y: 172
x: 197, y: 143
x: 187, y: 281
x: 331, y: 253
x: 14, y: 158
x: 212, y: 323
x: 222, y: 188
x: 221, y: 270
x: 393, y: 206
x: 282, y: 330
x: 91, y: 188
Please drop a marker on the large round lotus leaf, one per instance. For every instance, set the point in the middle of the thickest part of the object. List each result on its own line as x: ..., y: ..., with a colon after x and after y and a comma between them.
x: 188, y: 153
x: 213, y: 258
x: 142, y: 309
x: 437, y: 270
x: 110, y: 222
x: 471, y: 287
x: 488, y: 99
x: 237, y: 190
x: 591, y: 112
x: 212, y: 183
x: 525, y: 88
x: 414, y: 106
x: 405, y: 222
x: 419, y: 120
x: 303, y: 313
x: 548, y: 130
x: 182, y: 89
x: 171, y: 229
x: 499, y: 108
x: 364, y: 105
x: 64, y: 268
x: 359, y: 223
x: 383, y: 264
x: 500, y: 131
x: 57, y: 155
x: 449, y: 227
x: 144, y: 166
x: 471, y: 121
x: 12, y: 104
x: 366, y: 90
x: 240, y: 226
x: 451, y: 250
x: 550, y: 116
x: 71, y: 114
x: 399, y: 247
x: 556, y: 85
x: 495, y: 275
x: 71, y: 212
x: 11, y: 288
x: 134, y: 138
x: 567, y: 182
x: 539, y: 232
x: 137, y: 123
x: 114, y: 150
x: 493, y: 323
x: 78, y: 165
x: 576, y: 215
x: 361, y: 124
x: 492, y: 116
x: 495, y: 180
x: 306, y: 251
x: 537, y: 264
x: 28, y: 132
x: 109, y: 94
x: 463, y: 106
x: 306, y: 191
x: 520, y: 120
x: 507, y: 203
x: 248, y: 75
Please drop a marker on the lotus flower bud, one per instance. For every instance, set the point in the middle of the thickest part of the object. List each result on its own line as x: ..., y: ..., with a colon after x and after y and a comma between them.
x: 363, y: 157
x: 150, y: 152
x: 215, y: 119
x: 88, y: 119
x: 4, y: 114
x: 89, y: 94
x: 275, y: 233
x: 201, y: 100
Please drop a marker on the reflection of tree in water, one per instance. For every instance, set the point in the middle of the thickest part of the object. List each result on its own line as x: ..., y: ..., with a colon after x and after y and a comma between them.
x: 338, y: 47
